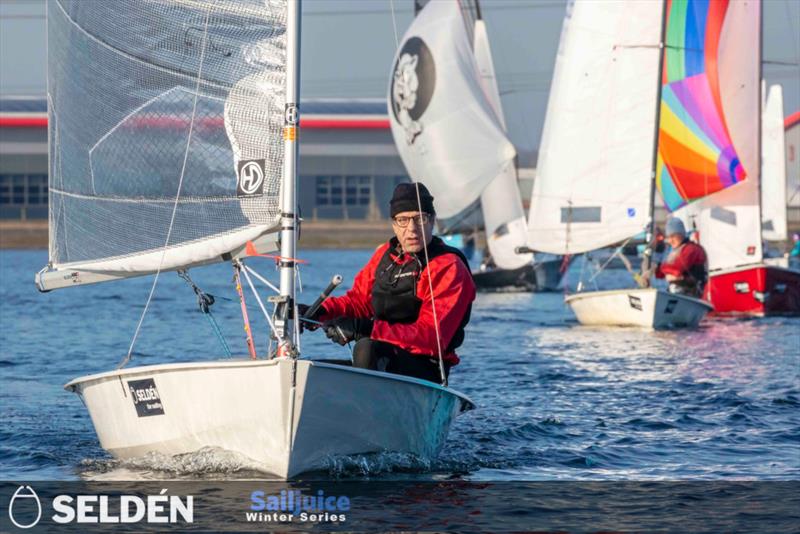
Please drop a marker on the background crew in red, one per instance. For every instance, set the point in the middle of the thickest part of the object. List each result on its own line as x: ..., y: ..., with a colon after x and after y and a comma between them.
x: 686, y: 266
x: 389, y: 311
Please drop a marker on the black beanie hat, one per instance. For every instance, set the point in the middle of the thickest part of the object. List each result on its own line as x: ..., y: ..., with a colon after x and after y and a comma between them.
x: 405, y: 199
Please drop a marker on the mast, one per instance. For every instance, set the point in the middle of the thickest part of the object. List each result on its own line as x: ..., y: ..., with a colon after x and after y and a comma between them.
x: 286, y: 299
x: 651, y: 227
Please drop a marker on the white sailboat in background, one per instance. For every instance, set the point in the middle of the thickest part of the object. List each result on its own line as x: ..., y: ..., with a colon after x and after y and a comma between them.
x: 594, y: 184
x: 460, y: 148
x: 773, y: 173
x: 173, y: 143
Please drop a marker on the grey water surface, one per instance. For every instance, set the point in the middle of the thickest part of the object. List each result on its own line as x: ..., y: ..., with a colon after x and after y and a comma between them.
x: 555, y: 400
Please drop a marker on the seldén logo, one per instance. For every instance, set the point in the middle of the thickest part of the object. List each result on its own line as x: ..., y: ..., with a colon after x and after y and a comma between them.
x: 22, y: 503
x: 25, y: 508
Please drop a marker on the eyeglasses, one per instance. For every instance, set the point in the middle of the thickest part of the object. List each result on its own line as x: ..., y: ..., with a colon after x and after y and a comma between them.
x: 420, y: 220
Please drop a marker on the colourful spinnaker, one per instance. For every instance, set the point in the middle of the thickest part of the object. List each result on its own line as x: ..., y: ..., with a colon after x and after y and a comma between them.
x: 696, y: 156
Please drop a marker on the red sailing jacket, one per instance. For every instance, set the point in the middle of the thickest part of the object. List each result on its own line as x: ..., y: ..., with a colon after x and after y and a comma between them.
x: 688, y: 260
x: 453, y: 291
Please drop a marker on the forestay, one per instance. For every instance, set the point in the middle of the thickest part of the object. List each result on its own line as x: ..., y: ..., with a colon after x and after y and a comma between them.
x: 444, y: 127
x: 165, y: 130
x: 728, y: 221
x: 773, y: 167
x: 593, y: 181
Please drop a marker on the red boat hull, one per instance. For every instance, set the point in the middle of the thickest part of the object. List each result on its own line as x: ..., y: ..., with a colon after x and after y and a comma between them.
x: 755, y: 290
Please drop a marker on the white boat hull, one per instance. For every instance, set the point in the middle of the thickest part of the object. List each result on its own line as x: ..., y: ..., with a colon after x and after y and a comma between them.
x: 251, y: 407
x: 648, y: 308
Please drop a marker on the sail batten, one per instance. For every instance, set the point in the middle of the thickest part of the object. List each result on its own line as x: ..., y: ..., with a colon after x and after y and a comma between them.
x: 165, y: 130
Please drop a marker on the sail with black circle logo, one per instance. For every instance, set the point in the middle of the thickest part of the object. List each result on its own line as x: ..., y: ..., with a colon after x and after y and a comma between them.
x: 167, y: 150
x: 445, y: 128
x: 499, y: 209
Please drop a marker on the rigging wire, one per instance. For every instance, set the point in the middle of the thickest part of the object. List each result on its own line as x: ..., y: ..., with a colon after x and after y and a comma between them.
x: 433, y: 299
x: 262, y: 279
x: 201, y: 62
x: 394, y: 25
x: 261, y: 305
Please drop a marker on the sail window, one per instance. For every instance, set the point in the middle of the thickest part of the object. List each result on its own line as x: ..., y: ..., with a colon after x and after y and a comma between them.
x: 571, y: 214
x: 722, y: 215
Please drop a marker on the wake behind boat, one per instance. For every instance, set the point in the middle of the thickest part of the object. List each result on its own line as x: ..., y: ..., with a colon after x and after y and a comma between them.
x: 131, y: 197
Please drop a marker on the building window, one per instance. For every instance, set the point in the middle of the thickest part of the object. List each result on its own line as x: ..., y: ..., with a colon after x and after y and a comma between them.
x: 37, y: 189
x: 358, y: 190
x: 343, y: 190
x: 23, y: 189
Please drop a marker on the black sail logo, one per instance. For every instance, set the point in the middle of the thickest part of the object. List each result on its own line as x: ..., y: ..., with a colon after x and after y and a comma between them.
x: 250, y: 179
x: 413, y: 82
x: 146, y: 398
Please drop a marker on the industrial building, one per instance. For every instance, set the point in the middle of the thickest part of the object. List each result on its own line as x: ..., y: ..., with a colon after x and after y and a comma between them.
x: 348, y: 163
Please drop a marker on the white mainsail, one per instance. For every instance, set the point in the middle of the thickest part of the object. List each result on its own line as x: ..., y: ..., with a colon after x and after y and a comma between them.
x: 501, y: 202
x: 729, y: 222
x: 593, y: 183
x: 444, y: 127
x: 167, y: 151
x: 773, y: 168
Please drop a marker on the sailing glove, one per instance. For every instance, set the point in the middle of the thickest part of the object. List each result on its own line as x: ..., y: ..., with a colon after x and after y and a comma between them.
x: 302, y: 309
x: 343, y: 330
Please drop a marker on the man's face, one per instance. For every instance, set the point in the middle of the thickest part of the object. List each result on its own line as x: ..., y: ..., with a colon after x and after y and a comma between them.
x: 674, y: 240
x: 412, y: 232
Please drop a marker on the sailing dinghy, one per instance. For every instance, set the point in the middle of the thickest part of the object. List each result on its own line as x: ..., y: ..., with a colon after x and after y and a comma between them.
x: 710, y: 154
x: 594, y: 184
x: 448, y: 125
x: 175, y: 147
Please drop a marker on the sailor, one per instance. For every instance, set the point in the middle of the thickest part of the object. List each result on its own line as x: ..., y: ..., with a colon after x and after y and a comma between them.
x: 686, y: 266
x: 410, y: 303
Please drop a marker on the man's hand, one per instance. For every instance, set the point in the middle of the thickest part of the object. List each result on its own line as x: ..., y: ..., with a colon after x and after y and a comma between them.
x: 343, y: 330
x: 301, y: 311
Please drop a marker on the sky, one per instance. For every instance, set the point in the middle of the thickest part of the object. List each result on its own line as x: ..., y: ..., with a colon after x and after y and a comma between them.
x: 348, y: 45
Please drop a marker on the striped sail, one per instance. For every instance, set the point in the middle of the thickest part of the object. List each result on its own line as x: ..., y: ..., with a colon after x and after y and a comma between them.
x: 696, y: 152
x: 728, y: 221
